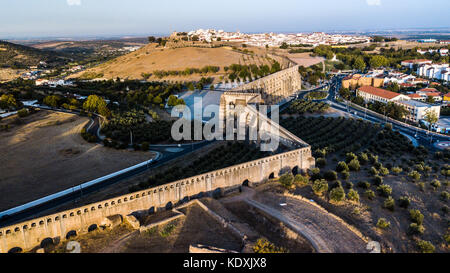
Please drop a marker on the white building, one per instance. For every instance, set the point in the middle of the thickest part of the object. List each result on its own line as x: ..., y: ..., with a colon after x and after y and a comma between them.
x: 411, y: 63
x: 373, y: 94
x: 417, y: 109
x: 434, y: 71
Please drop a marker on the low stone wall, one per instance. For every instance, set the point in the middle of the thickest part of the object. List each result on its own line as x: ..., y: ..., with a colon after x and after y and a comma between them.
x: 58, y: 226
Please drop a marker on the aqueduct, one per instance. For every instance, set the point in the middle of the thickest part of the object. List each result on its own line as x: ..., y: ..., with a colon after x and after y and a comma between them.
x: 62, y: 225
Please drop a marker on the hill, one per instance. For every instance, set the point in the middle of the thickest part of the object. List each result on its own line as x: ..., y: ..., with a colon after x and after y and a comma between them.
x: 150, y: 60
x: 21, y: 57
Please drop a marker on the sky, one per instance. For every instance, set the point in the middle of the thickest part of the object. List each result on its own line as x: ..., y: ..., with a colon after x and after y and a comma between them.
x: 103, y: 18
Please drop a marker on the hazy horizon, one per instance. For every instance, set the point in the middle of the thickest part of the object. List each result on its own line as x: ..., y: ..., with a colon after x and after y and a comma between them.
x: 34, y: 19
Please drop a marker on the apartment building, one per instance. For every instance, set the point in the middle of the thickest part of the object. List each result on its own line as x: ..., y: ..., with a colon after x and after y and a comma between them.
x: 417, y: 109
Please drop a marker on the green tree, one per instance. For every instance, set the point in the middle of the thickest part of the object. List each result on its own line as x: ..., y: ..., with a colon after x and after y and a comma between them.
x: 431, y: 117
x: 94, y: 103
x: 320, y: 186
x: 287, y: 180
x: 359, y: 64
x: 7, y: 101
x: 52, y: 101
x: 378, y: 61
x: 337, y: 194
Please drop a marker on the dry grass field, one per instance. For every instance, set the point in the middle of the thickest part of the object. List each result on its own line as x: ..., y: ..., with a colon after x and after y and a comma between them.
x: 46, y: 154
x: 149, y: 59
x: 7, y: 74
x: 304, y: 59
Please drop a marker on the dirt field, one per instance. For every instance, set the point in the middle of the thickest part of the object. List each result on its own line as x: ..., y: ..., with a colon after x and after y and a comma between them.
x: 304, y: 59
x: 149, y: 59
x: 46, y: 154
x: 7, y: 74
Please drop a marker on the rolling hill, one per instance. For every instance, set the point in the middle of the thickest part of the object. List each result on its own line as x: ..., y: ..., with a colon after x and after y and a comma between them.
x: 15, y: 56
x: 144, y: 62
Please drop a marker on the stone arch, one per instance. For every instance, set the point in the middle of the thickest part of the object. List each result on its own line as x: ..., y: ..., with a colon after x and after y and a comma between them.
x: 272, y: 175
x: 47, y: 242
x: 169, y: 206
x: 246, y: 183
x: 92, y: 227
x: 15, y: 250
x: 70, y: 234
x: 295, y: 170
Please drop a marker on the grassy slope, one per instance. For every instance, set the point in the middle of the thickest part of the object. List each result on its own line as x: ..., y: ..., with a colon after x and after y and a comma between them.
x: 149, y: 59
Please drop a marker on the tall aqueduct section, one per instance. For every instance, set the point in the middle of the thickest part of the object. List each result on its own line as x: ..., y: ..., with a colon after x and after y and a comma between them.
x: 271, y: 89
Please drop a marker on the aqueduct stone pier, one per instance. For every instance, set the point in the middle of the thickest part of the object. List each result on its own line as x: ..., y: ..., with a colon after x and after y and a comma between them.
x: 58, y: 226
x: 268, y: 90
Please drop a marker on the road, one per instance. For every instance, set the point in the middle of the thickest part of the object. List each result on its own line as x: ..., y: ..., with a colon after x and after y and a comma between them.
x: 326, y: 232
x: 426, y: 139
x: 168, y: 152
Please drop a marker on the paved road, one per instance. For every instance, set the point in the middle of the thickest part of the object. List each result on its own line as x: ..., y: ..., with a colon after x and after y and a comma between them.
x: 423, y: 138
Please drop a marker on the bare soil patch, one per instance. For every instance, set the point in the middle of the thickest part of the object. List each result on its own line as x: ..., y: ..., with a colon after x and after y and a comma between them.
x: 197, y: 227
x: 47, y: 154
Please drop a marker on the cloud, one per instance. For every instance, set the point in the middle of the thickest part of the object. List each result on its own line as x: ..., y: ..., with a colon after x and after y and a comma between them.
x: 74, y: 2
x: 373, y: 2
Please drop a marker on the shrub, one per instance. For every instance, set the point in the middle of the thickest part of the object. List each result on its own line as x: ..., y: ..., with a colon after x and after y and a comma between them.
x: 404, y: 202
x: 337, y: 194
x: 353, y: 195
x: 345, y: 175
x: 264, y: 246
x: 350, y: 156
x: 415, y: 229
x: 378, y: 180
x: 342, y: 166
x: 414, y: 175
x: 384, y: 190
x: 421, y: 186
x: 354, y: 165
x: 373, y: 171
x: 416, y: 216
x: 435, y: 183
x: 22, y: 113
x: 447, y: 238
x: 349, y: 185
x: 320, y: 186
x: 369, y: 194
x: 145, y: 146
x: 321, y: 162
x: 389, y: 203
x: 330, y: 175
x: 445, y: 196
x: 425, y: 246
x: 167, y: 230
x: 363, y: 158
x: 301, y: 180
x: 315, y: 174
x: 384, y: 171
x: 287, y: 180
x: 383, y: 223
x: 363, y: 184
x: 396, y: 170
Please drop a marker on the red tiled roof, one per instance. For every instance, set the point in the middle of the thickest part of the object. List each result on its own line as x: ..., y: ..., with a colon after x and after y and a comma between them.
x: 417, y: 96
x: 407, y: 85
x: 416, y: 61
x: 378, y: 92
x: 447, y: 95
x: 428, y: 90
x: 433, y: 94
